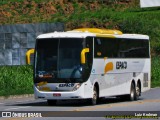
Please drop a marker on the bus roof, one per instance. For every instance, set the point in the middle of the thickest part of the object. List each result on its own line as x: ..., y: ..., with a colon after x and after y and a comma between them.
x: 92, y: 32
x: 72, y: 34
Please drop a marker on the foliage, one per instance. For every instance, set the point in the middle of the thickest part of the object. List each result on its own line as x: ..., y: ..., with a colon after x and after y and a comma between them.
x: 16, y: 80
x: 155, y: 79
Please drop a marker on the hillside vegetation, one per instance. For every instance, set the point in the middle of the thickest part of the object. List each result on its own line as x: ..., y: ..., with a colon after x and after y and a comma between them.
x: 124, y: 15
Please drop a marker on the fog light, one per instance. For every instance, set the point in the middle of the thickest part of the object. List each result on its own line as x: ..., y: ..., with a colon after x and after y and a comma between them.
x: 77, y: 87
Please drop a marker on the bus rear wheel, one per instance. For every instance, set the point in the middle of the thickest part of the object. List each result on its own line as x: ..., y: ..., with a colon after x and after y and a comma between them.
x: 138, y: 91
x: 132, y: 95
x: 51, y: 102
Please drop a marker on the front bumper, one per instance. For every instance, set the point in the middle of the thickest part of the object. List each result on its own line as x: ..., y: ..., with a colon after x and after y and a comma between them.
x: 48, y: 95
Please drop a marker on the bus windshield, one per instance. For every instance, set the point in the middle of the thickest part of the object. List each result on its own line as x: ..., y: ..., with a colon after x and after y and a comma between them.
x: 59, y: 59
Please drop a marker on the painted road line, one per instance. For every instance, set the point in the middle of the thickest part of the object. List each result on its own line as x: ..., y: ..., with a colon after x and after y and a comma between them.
x: 17, y: 108
x: 115, y: 105
x: 154, y: 100
x: 105, y: 106
x: 92, y: 108
x: 25, y: 101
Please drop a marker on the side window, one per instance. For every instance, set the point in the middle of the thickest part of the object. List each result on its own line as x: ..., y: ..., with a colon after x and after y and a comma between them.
x: 98, y: 51
x: 132, y: 48
x: 124, y: 48
x: 121, y: 48
x: 145, y: 50
x: 106, y: 47
x: 111, y: 47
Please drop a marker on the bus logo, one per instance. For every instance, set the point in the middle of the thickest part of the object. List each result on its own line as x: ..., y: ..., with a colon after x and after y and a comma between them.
x: 66, y: 85
x: 121, y: 65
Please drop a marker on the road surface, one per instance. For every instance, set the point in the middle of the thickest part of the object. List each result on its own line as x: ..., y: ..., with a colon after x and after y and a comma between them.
x: 148, y: 103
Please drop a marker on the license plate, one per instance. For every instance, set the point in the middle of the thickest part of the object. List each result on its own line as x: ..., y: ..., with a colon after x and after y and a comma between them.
x: 57, y: 94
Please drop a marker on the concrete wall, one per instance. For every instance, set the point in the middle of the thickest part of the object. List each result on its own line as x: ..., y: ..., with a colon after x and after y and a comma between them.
x: 15, y: 40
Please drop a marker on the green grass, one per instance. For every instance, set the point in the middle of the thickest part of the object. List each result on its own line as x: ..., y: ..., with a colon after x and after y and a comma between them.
x: 16, y: 80
x: 155, y: 79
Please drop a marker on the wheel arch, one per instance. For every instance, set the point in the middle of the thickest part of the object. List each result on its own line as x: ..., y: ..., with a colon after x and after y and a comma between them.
x: 133, y: 82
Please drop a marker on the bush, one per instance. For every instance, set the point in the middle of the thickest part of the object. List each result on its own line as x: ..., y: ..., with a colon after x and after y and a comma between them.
x: 16, y: 80
x: 155, y: 79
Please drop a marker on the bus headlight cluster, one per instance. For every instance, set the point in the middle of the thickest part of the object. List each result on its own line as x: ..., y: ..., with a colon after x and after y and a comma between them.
x: 38, y: 87
x: 77, y: 87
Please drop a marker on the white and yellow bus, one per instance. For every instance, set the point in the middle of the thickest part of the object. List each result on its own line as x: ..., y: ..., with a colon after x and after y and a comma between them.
x: 91, y: 63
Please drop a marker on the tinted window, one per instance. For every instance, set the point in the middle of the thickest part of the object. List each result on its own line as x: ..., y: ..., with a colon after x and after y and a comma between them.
x: 121, y: 48
x: 106, y: 48
x: 133, y: 48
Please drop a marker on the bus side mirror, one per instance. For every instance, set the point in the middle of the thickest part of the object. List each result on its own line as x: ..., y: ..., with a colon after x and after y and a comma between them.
x: 28, y: 56
x: 83, y: 52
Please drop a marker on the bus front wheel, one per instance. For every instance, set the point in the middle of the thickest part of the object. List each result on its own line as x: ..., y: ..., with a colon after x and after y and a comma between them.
x: 93, y: 100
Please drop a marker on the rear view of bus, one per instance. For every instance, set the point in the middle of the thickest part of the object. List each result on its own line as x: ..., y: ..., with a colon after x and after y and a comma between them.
x: 90, y: 63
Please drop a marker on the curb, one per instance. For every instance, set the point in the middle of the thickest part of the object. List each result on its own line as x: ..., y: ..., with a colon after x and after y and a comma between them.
x: 16, y: 96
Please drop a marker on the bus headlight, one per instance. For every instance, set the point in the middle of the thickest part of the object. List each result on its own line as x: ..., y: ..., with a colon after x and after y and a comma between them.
x: 38, y: 87
x: 76, y: 87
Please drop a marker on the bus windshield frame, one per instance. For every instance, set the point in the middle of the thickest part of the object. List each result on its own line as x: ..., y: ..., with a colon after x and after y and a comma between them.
x: 57, y: 60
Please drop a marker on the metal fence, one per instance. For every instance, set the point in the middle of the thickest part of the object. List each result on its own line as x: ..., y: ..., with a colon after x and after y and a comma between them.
x: 15, y: 40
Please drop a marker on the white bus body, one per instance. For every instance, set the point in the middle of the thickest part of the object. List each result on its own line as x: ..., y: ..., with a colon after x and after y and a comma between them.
x: 119, y: 72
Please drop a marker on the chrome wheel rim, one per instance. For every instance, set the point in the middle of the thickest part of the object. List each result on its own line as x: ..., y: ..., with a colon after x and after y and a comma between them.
x: 137, y: 91
x: 94, y: 96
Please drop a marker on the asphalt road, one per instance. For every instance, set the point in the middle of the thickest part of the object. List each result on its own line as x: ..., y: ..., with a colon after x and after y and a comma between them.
x: 148, y: 103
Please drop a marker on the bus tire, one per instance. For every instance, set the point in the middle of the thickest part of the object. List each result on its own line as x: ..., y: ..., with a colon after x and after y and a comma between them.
x: 138, y: 91
x: 93, y: 100
x: 132, y: 95
x: 51, y: 102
